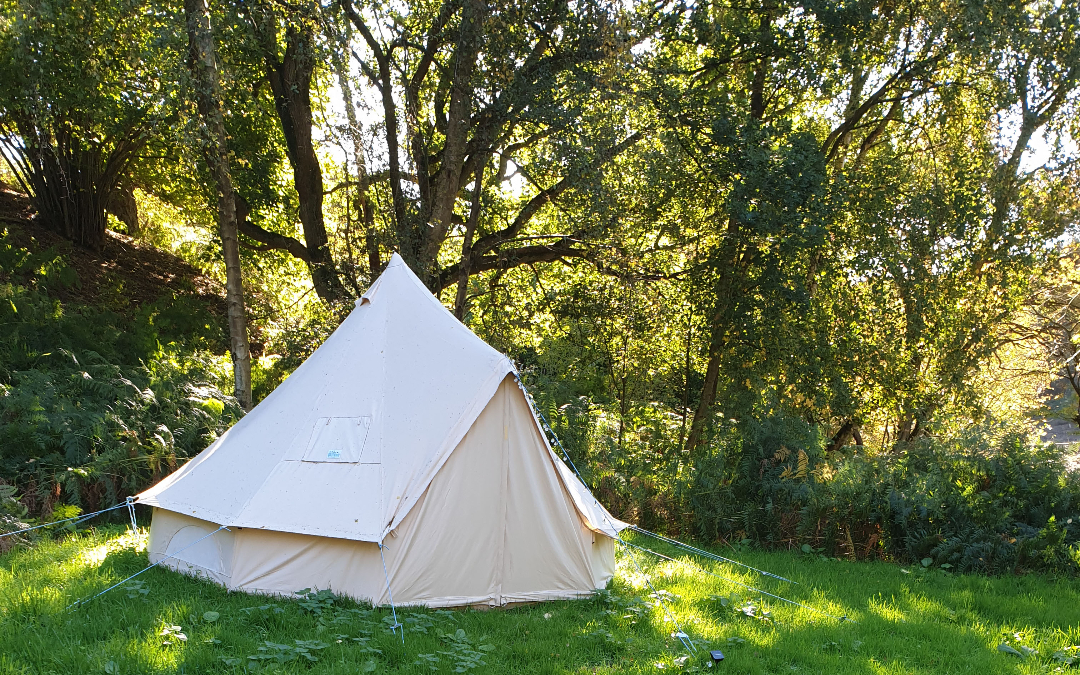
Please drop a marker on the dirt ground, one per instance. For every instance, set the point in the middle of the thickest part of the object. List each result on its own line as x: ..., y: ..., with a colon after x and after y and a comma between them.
x: 142, y: 273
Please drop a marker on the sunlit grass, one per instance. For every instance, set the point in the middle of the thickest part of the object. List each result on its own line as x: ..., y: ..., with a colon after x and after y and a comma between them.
x: 903, y: 620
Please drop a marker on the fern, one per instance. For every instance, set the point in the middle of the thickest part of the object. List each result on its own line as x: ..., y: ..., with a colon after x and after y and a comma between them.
x: 95, y: 402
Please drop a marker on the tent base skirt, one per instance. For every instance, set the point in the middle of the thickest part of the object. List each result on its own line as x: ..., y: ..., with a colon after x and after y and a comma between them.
x: 278, y: 564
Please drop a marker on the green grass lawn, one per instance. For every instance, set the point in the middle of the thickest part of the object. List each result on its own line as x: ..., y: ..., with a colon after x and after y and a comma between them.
x: 905, y: 621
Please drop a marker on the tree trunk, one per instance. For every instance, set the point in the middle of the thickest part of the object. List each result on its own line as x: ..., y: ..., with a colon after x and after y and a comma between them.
x: 203, y: 62
x: 457, y: 131
x: 857, y: 435
x: 718, y: 330
x: 290, y: 81
x: 842, y: 436
x: 122, y: 204
x: 726, y: 286
x: 708, y: 395
x: 69, y: 181
x: 293, y: 101
x: 462, y: 300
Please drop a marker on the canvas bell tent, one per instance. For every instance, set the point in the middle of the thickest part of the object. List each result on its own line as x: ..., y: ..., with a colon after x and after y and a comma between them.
x: 403, y: 430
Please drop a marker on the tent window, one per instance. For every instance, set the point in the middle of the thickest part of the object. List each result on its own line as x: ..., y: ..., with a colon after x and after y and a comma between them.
x: 338, y: 439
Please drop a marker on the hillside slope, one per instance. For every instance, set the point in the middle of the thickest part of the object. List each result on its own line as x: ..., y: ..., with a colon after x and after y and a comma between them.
x: 111, y: 366
x: 124, y: 272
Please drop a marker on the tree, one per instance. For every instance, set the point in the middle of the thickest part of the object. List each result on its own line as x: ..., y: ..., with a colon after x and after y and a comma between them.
x: 1049, y: 326
x: 203, y: 63
x: 290, y: 69
x: 75, y: 113
x: 474, y: 89
x: 949, y: 229
x: 939, y: 79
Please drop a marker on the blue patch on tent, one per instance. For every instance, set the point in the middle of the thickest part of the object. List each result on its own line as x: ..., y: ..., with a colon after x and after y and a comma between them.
x: 333, y: 454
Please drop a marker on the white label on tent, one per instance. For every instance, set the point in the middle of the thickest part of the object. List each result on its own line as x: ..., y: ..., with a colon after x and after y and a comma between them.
x: 338, y: 439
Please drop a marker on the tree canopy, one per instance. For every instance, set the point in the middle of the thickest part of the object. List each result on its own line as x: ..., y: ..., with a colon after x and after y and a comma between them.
x: 822, y: 224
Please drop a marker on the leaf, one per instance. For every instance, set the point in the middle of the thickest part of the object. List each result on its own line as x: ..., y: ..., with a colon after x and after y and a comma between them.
x: 369, y: 666
x: 927, y: 562
x: 1006, y: 649
x: 111, y: 668
x: 807, y: 548
x: 211, y: 617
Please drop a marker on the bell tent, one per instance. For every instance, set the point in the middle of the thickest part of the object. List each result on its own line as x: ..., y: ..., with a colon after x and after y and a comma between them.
x: 400, y: 462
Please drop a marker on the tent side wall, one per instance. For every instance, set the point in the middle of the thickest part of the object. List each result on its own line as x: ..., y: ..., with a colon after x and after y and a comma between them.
x: 189, y: 545
x: 547, y: 543
x: 495, y: 526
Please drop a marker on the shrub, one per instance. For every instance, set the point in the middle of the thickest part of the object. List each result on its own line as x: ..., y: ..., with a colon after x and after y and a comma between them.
x: 94, y: 404
x: 992, y: 500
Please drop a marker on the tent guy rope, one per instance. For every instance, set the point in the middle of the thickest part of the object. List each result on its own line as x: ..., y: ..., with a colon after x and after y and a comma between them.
x: 391, y: 595
x: 739, y: 583
x: 674, y: 542
x: 80, y: 518
x: 706, y: 554
x: 80, y: 603
x: 679, y: 633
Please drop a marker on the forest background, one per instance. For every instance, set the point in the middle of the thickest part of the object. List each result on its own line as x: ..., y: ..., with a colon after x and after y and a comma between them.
x: 790, y: 274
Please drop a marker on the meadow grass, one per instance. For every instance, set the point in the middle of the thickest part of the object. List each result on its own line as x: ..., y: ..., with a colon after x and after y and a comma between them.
x: 902, y: 620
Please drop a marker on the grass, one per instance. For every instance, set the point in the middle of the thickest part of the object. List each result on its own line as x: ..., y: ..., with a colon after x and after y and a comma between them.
x: 905, y: 621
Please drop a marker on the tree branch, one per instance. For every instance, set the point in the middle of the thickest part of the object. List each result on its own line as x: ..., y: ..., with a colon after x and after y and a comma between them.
x: 504, y: 260
x: 270, y: 241
x: 488, y: 242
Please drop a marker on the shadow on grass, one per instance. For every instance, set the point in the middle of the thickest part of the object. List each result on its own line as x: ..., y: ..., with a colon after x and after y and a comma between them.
x: 905, y: 621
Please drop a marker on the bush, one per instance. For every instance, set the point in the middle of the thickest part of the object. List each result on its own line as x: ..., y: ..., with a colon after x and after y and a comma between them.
x: 992, y: 500
x: 96, y: 405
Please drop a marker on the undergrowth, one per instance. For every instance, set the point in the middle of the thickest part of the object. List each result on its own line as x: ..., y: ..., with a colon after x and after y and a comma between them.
x: 991, y: 500
x: 96, y: 403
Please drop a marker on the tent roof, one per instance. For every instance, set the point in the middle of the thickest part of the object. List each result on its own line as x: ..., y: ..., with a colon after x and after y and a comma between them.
x: 346, y: 445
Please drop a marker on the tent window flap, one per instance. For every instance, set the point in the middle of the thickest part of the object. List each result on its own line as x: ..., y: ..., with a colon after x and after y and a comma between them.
x: 338, y: 439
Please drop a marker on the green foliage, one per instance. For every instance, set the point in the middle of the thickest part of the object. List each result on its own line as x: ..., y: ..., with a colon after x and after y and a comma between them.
x: 991, y: 500
x: 95, y: 404
x: 827, y: 219
x: 316, y: 602
x: 987, y: 502
x: 278, y: 653
x: 461, y: 651
x: 74, y: 112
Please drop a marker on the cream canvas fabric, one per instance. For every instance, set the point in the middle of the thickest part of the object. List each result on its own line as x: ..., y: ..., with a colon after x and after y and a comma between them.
x: 402, y: 428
